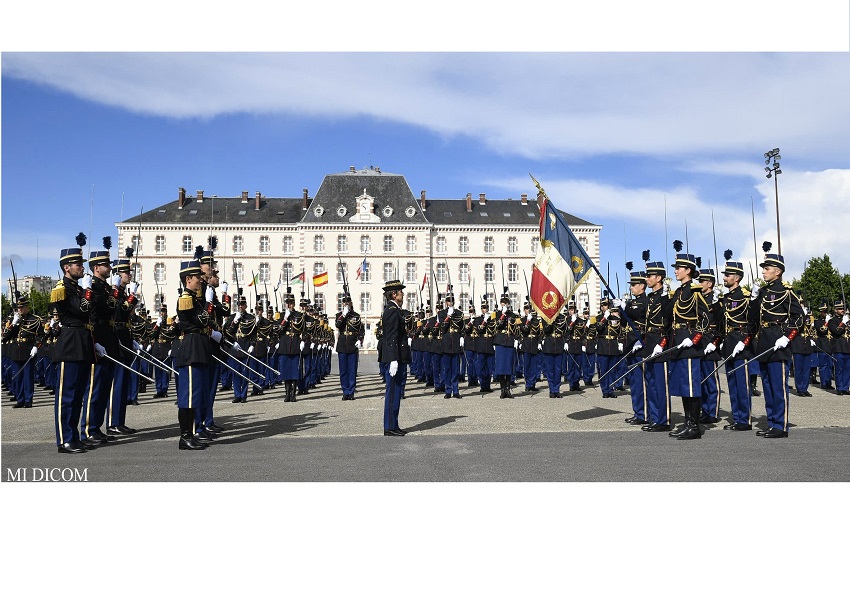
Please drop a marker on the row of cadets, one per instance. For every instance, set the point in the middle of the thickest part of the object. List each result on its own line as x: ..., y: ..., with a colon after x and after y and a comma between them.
x: 610, y: 348
x: 350, y: 334
x: 22, y: 336
x: 273, y: 333
x: 288, y: 353
x: 531, y: 330
x: 308, y: 347
x: 451, y: 333
x: 141, y: 330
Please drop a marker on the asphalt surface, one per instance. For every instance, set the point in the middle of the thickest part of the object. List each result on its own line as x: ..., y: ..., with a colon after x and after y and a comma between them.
x: 478, y: 438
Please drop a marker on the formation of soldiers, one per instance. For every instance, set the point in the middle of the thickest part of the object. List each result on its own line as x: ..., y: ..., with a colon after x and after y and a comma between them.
x: 100, y: 347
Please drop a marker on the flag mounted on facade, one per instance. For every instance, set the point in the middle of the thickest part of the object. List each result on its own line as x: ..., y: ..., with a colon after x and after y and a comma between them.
x: 320, y: 279
x: 299, y: 277
x: 361, y: 269
x: 561, y: 264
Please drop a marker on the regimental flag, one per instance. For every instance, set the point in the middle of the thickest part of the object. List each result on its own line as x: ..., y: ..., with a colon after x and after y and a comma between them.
x: 561, y: 264
x: 299, y: 277
x: 254, y: 281
x: 320, y: 279
x: 361, y: 269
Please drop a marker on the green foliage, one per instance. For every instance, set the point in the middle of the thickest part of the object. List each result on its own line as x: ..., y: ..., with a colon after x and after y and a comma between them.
x: 5, y: 308
x: 820, y: 282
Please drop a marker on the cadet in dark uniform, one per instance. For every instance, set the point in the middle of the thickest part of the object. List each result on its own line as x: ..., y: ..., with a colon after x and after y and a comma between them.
x: 779, y: 319
x: 503, y: 343
x: 711, y: 355
x: 485, y: 328
x: 824, y: 343
x: 124, y: 292
x: 588, y: 363
x: 164, y: 334
x: 289, y: 345
x: 241, y: 329
x: 437, y: 346
x: 470, y: 342
x: 531, y: 330
x: 609, y: 349
x: 395, y: 353
x: 737, y: 334
x: 451, y: 332
x: 573, y: 353
x: 840, y: 333
x: 25, y: 334
x: 73, y: 354
x: 259, y: 350
x: 350, y: 334
x: 552, y: 350
x: 193, y: 353
x: 655, y: 371
x: 636, y: 310
x: 803, y: 350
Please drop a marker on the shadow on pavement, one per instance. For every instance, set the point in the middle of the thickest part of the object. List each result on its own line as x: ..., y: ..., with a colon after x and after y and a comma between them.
x: 434, y: 423
x: 593, y: 413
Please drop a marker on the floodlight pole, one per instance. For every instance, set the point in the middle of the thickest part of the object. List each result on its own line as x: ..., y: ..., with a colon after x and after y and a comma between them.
x: 774, y: 171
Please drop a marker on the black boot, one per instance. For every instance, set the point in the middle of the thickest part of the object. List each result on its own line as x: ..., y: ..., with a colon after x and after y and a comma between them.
x: 754, y: 380
x: 679, y: 431
x: 508, y: 393
x: 693, y: 431
x: 186, y: 419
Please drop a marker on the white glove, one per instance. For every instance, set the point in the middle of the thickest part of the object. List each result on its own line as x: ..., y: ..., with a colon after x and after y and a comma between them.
x: 409, y: 341
x: 168, y: 355
x: 710, y: 348
x: 620, y: 346
x: 237, y: 317
x: 115, y: 280
x: 132, y: 288
x: 136, y: 346
x: 312, y: 345
x: 99, y: 350
x: 344, y: 310
x: 393, y: 368
x: 813, y: 344
x: 148, y: 349
x: 566, y: 346
x: 573, y: 318
x: 301, y: 346
x: 504, y: 309
x: 357, y: 344
x: 805, y: 310
x: 461, y: 342
x: 619, y: 303
x: 223, y: 287
x: 33, y: 351
x: 236, y: 346
x: 657, y: 350
x: 516, y: 343
x: 607, y: 314
x: 686, y: 343
x: 845, y: 318
x: 16, y: 318
x: 286, y: 315
x: 540, y: 346
x: 85, y: 282
x: 250, y: 349
x: 159, y: 321
x: 828, y: 317
x: 739, y: 347
x: 486, y: 316
x: 754, y: 292
x: 781, y: 343
x: 209, y: 296
x: 528, y: 318
x: 176, y: 319
x: 638, y: 345
x: 52, y: 321
x: 450, y: 310
x: 216, y: 336
x: 584, y: 348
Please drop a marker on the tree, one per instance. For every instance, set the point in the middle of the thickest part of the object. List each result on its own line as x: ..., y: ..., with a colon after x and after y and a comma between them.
x: 820, y: 282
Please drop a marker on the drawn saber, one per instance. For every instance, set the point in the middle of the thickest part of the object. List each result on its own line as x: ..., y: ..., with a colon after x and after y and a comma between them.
x: 753, y: 359
x: 710, y: 375
x: 245, y: 377
x: 649, y: 358
x: 625, y: 356
x: 150, y: 357
x: 21, y: 370
x: 257, y: 373
x: 119, y: 363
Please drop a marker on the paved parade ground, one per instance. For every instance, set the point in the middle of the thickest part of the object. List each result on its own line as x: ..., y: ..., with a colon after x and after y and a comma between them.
x: 531, y: 437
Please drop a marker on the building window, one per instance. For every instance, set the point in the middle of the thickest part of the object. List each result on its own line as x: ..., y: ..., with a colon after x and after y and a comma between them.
x: 512, y: 245
x: 388, y: 243
x: 463, y: 273
x: 389, y: 271
x: 265, y: 246
x: 411, y: 243
x: 136, y: 244
x: 534, y: 241
x: 287, y: 244
x: 137, y: 273
x: 583, y: 241
x: 238, y: 245
x: 187, y: 245
x: 366, y: 275
x: 159, y: 273
x: 318, y: 268
x: 341, y: 272
x: 239, y: 274
x: 488, y: 272
x: 514, y: 300
x: 339, y: 298
x: 441, y: 244
x: 159, y: 245
x: 442, y: 273
x: 488, y: 244
x: 319, y: 243
x: 411, y: 301
x: 410, y: 273
x: 319, y: 301
x: 365, y: 245
x: 513, y: 273
x: 287, y: 272
x: 464, y: 302
x: 463, y: 245
x: 341, y: 243
x: 264, y: 272
x: 491, y: 300
x: 365, y: 303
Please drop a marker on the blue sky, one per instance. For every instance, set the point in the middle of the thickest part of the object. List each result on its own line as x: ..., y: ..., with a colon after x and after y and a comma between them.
x: 612, y: 136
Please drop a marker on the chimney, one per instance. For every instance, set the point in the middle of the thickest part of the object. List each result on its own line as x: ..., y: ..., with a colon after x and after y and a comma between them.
x: 482, y: 199
x: 244, y: 197
x: 351, y: 169
x: 469, y: 202
x: 181, y: 197
x: 422, y: 200
x: 257, y: 197
x: 524, y: 199
x: 199, y: 195
x: 304, y: 202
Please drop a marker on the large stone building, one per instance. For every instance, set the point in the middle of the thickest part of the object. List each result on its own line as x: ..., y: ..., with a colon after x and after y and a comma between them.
x: 359, y: 219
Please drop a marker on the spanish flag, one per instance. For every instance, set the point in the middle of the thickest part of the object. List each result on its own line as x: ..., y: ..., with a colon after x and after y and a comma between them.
x: 320, y: 279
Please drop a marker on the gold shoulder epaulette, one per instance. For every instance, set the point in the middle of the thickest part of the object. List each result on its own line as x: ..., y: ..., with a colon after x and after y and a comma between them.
x: 185, y: 302
x: 57, y: 294
x: 747, y: 293
x: 695, y: 286
x: 787, y: 284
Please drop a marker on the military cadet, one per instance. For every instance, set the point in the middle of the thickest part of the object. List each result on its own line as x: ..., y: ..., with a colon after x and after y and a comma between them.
x: 802, y: 350
x: 573, y: 355
x: 636, y: 310
x: 840, y: 333
x: 437, y: 346
x: 451, y: 335
x: 824, y: 344
x: 193, y: 353
x: 164, y: 333
x: 242, y: 330
x: 350, y: 334
x: 395, y: 354
x: 507, y: 323
x: 531, y: 332
x: 655, y: 370
x: 485, y: 326
x: 426, y: 373
x: 52, y: 330
x: 710, y: 342
x: 124, y: 292
x: 42, y: 358
x: 470, y: 342
x: 25, y: 331
x: 260, y: 351
x: 737, y: 348
x: 687, y: 314
x: 141, y: 331
x: 609, y: 349
x: 273, y: 317
x: 103, y: 303
x: 74, y: 351
x: 588, y: 363
x: 779, y: 318
x: 552, y: 350
x: 290, y: 345
x: 219, y: 310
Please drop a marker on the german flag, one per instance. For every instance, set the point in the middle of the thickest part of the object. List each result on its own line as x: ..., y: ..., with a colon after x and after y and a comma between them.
x: 320, y: 279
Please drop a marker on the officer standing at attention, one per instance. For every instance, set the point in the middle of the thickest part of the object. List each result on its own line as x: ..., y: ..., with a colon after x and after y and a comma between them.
x: 803, y: 350
x: 840, y: 332
x: 290, y: 344
x: 470, y: 336
x: 241, y: 329
x: 824, y: 343
x: 531, y: 330
x: 552, y: 349
x: 503, y: 343
x: 437, y: 346
x: 780, y: 317
x: 124, y: 291
x: 451, y: 332
x: 73, y: 354
x: 711, y: 355
x: 609, y: 349
x: 350, y: 334
x: 485, y: 327
x: 395, y: 354
x: 636, y: 311
x: 655, y: 371
x: 573, y: 353
x: 25, y: 333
